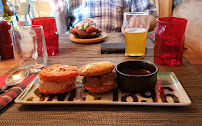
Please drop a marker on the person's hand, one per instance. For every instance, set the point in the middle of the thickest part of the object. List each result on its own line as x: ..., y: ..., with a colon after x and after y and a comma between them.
x: 136, y: 22
x: 58, y: 5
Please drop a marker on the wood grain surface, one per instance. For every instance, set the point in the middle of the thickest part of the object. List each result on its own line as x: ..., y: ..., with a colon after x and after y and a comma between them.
x: 69, y: 49
x: 72, y: 53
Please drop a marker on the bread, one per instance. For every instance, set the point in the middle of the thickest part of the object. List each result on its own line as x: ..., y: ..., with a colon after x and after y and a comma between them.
x: 98, y: 77
x: 97, y: 68
x: 57, y: 79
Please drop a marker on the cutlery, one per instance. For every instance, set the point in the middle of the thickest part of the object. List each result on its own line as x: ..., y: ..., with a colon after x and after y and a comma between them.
x: 14, y: 78
x: 36, y: 80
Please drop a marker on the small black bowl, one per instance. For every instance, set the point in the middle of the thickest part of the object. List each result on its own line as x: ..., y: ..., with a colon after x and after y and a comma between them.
x: 136, y: 76
x: 88, y: 36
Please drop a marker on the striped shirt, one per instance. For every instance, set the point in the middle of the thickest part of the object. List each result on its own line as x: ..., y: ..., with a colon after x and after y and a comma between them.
x: 177, y: 2
x: 107, y: 14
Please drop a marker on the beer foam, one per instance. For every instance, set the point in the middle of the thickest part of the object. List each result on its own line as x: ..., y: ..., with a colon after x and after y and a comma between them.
x: 136, y: 30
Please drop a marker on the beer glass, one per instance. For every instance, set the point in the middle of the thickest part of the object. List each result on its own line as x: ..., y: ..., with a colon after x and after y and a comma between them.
x: 136, y: 27
x: 29, y: 47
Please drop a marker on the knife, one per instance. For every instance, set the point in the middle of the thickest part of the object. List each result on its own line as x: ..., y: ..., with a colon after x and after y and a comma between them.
x: 35, y: 81
x: 3, y: 89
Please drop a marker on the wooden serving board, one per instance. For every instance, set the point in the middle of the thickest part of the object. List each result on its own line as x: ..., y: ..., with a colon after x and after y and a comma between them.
x: 92, y: 40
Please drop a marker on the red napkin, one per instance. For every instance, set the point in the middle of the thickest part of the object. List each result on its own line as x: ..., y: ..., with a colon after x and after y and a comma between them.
x: 2, y: 80
x: 9, y: 96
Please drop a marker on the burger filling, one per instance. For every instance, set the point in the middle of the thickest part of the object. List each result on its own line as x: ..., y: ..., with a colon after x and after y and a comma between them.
x: 56, y: 86
x: 98, y: 81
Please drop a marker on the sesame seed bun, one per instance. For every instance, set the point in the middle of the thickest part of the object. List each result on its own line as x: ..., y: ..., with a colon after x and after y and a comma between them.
x: 95, y: 69
x: 98, y: 77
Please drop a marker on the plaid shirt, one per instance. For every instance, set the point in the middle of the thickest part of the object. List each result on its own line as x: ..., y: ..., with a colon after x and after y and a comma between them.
x: 108, y: 14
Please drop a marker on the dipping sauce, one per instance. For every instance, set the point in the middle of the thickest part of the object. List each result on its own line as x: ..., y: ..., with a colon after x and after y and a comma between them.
x: 137, y: 72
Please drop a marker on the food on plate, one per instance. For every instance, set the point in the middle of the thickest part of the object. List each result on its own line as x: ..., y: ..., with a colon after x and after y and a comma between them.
x: 92, y: 28
x: 57, y: 79
x: 98, y: 77
x: 80, y: 32
x: 87, y: 27
x: 89, y: 21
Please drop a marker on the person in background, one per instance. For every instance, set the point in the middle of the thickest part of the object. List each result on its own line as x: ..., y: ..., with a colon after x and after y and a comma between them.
x: 107, y: 14
x: 59, y: 11
x: 176, y: 3
x: 191, y: 10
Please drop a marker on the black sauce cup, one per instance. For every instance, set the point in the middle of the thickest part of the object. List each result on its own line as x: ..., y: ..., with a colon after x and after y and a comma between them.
x: 136, y: 83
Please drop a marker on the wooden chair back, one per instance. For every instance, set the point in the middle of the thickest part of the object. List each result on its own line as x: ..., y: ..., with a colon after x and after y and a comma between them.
x: 164, y: 7
x: 23, y: 13
x: 23, y: 8
x: 41, y: 9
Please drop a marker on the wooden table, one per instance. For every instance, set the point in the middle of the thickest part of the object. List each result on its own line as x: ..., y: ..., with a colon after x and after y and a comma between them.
x: 193, y: 57
x: 71, y: 53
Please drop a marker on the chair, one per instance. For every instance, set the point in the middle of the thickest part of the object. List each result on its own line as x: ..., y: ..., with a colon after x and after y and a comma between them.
x: 24, y: 8
x: 40, y: 9
x: 164, y: 7
x: 15, y: 4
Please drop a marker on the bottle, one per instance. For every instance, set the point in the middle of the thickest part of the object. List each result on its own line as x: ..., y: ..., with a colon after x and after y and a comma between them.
x: 8, y: 11
x: 6, y: 46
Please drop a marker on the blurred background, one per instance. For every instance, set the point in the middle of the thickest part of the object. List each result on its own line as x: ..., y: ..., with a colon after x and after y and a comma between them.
x: 25, y: 10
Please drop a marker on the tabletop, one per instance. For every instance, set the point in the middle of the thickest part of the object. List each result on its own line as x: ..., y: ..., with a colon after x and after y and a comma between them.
x: 71, y: 53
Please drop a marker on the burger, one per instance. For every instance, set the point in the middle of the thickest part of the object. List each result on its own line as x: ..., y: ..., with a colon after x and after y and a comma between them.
x: 98, y: 77
x: 57, y: 79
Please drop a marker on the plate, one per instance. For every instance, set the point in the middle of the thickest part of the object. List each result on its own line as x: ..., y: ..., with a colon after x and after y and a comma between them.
x: 168, y: 92
x: 90, y: 40
x: 88, y: 36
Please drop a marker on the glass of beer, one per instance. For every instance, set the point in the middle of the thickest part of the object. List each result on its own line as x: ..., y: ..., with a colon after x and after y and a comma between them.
x: 136, y: 27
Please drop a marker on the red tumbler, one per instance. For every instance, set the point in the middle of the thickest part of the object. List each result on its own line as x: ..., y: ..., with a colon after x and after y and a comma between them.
x: 169, y: 41
x: 6, y: 46
x: 50, y: 32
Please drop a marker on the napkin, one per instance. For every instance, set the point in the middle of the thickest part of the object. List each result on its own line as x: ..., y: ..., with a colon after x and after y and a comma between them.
x: 2, y: 80
x: 13, y: 92
x: 108, y: 48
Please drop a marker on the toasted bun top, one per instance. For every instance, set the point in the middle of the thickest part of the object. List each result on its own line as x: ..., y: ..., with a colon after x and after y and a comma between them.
x: 97, y: 68
x: 58, y: 72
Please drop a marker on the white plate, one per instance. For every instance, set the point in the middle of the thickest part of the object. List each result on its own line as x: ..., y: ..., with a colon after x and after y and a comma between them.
x: 168, y: 91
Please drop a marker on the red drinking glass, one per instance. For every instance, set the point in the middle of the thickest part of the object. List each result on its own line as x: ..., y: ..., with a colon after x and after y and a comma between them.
x: 50, y: 32
x: 169, y: 41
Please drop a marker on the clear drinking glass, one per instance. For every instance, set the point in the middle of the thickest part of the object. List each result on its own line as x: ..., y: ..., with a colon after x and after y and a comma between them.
x: 136, y: 27
x: 50, y: 32
x: 29, y: 47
